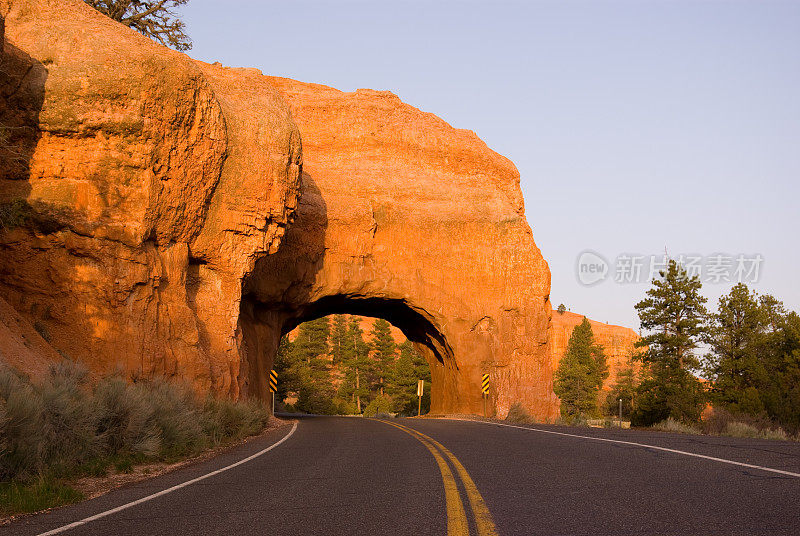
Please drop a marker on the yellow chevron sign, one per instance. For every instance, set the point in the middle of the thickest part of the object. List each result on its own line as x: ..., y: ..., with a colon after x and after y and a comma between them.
x: 273, y: 380
x: 485, y: 384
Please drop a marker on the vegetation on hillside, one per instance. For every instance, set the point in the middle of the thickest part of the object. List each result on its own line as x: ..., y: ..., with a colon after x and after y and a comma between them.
x: 329, y: 368
x: 754, y: 363
x: 747, y: 353
x: 66, y: 427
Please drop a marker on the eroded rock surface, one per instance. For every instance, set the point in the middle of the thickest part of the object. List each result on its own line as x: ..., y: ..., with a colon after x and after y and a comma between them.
x: 171, y: 230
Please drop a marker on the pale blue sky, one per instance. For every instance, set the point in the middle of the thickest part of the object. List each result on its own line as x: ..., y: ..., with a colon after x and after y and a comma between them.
x: 635, y: 125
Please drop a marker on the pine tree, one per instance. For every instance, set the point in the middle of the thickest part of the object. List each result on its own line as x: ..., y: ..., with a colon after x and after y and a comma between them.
x: 780, y: 352
x: 754, y: 364
x: 311, y: 353
x: 356, y: 366
x: 338, y: 338
x: 409, y: 368
x: 562, y: 309
x: 289, y: 374
x: 383, y: 352
x: 673, y: 313
x: 736, y: 334
x: 580, y: 374
x: 624, y: 388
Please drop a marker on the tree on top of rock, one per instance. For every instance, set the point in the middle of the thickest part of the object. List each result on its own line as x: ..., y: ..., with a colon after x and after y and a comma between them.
x: 562, y: 309
x: 155, y: 19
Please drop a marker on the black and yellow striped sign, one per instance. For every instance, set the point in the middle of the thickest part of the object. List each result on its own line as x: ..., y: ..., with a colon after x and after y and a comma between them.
x: 273, y: 381
x: 485, y: 384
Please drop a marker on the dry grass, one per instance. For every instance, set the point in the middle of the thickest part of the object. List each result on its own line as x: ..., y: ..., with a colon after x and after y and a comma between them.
x: 517, y: 414
x: 676, y: 427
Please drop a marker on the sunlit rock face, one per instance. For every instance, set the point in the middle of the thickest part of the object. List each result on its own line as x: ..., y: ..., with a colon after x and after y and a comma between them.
x: 155, y: 183
x: 173, y: 232
x: 400, y: 211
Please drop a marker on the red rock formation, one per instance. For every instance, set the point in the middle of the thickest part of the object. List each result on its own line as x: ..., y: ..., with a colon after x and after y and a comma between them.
x: 156, y: 184
x: 617, y: 342
x: 161, y: 188
x: 403, y: 214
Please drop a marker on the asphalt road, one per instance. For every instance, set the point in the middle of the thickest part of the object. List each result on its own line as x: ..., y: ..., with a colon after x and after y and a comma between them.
x: 418, y: 476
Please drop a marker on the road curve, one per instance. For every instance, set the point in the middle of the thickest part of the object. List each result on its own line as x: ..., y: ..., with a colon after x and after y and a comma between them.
x: 335, y: 475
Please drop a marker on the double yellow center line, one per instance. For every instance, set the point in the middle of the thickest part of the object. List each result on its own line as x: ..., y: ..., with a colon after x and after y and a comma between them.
x: 457, y: 524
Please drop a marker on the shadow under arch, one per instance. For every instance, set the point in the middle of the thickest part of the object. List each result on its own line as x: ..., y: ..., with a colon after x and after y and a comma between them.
x: 415, y: 325
x: 263, y: 326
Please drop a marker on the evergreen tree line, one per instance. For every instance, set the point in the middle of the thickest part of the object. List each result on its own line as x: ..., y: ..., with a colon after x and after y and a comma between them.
x: 331, y: 369
x: 748, y: 353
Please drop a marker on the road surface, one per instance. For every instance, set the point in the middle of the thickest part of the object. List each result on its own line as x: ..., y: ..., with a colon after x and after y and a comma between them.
x: 338, y: 475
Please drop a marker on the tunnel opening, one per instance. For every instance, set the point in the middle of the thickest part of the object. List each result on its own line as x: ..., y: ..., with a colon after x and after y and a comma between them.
x: 414, y: 324
x: 266, y: 328
x: 344, y: 364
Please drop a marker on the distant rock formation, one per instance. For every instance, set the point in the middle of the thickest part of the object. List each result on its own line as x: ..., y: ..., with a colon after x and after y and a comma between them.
x: 177, y: 226
x: 617, y: 342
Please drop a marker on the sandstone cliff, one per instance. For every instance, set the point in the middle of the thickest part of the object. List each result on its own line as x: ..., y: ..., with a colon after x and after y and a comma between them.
x: 404, y: 214
x: 173, y: 232
x: 130, y: 156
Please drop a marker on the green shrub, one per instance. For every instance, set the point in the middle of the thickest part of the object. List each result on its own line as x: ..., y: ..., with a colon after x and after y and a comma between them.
x: 64, y: 427
x: 127, y: 420
x: 15, y: 214
x: 17, y: 497
x: 22, y: 427
x: 177, y: 417
x: 70, y: 418
x: 724, y: 422
x: 379, y: 406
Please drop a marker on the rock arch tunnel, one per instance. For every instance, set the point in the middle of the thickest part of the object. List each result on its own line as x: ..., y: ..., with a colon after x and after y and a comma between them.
x: 401, y: 216
x: 197, y: 212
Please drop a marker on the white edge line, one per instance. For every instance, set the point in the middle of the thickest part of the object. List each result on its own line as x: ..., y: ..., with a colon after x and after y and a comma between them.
x: 168, y: 490
x: 632, y: 443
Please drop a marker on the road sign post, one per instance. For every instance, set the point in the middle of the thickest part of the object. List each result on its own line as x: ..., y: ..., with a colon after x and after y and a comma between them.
x: 620, y: 413
x: 420, y: 390
x: 273, y: 387
x: 485, y: 391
